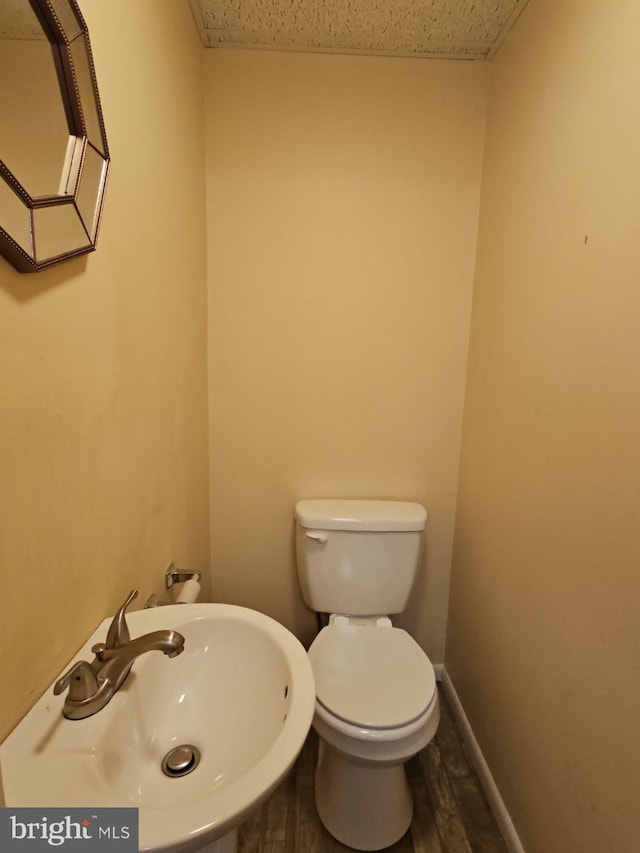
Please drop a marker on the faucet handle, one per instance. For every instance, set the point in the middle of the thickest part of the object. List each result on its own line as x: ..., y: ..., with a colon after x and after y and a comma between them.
x: 118, y: 633
x: 81, y: 681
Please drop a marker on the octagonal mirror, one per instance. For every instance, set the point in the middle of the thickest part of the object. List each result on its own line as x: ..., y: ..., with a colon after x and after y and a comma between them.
x: 54, y: 157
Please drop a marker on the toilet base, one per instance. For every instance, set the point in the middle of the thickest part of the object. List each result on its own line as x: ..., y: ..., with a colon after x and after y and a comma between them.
x: 363, y: 804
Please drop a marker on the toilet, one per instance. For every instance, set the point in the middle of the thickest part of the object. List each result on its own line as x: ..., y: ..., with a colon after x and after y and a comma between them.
x: 376, y: 698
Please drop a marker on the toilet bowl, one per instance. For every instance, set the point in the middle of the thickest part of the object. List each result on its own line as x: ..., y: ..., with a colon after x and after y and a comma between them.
x: 376, y: 697
x: 376, y: 706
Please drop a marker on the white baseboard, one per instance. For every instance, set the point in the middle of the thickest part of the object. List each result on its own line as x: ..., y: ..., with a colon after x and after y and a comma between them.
x: 508, y: 830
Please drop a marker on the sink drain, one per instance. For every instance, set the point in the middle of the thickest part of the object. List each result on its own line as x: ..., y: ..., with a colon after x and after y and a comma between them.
x: 181, y: 760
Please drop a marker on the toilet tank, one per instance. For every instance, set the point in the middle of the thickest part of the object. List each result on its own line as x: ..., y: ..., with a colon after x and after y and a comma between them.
x: 358, y: 557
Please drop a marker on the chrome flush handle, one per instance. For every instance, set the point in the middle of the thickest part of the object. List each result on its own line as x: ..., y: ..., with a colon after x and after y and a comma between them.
x: 318, y: 537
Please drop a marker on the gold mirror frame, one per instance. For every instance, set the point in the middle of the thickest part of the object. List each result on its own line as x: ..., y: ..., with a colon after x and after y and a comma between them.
x: 44, y: 230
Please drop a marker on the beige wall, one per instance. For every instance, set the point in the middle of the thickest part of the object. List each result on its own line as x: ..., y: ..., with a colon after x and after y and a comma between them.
x: 543, y: 641
x: 342, y: 214
x: 103, y: 437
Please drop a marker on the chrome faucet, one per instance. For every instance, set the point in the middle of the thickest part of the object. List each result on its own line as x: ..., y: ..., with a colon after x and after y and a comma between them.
x: 92, y: 685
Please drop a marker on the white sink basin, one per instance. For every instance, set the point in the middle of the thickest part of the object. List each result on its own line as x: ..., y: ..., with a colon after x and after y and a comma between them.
x: 242, y: 692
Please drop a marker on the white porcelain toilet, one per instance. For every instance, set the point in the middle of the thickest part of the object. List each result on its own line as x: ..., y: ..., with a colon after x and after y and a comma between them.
x: 376, y: 698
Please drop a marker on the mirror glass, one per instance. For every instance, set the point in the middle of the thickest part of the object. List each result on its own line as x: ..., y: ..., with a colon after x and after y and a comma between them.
x: 54, y: 157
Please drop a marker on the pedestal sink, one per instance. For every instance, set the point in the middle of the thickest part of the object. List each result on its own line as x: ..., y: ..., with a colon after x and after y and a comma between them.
x: 241, y: 697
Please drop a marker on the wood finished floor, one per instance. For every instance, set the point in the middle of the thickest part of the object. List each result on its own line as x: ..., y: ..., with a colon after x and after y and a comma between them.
x: 451, y: 814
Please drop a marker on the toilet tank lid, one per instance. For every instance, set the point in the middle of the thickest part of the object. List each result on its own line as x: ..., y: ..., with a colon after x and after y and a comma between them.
x: 360, y: 515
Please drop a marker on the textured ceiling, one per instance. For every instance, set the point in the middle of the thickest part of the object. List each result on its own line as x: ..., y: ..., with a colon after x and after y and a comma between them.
x: 459, y: 29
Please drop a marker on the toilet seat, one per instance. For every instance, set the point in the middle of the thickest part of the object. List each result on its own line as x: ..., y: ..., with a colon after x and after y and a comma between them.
x: 371, y: 676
